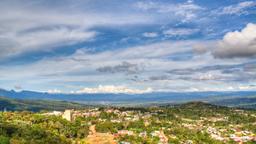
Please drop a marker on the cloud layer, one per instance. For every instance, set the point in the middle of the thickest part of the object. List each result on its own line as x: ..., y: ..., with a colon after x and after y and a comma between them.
x: 140, y: 46
x: 31, y: 27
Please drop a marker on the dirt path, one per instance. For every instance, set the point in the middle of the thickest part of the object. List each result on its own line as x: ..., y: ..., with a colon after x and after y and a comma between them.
x: 92, y: 129
x: 99, y: 138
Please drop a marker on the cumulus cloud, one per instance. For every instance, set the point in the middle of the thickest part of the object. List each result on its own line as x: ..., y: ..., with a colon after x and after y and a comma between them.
x: 237, y: 44
x: 113, y: 89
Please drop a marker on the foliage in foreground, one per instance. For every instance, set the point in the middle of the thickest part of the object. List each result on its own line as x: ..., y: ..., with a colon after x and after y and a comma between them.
x: 180, y: 124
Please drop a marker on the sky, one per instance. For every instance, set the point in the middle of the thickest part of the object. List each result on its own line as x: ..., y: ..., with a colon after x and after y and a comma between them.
x: 128, y: 46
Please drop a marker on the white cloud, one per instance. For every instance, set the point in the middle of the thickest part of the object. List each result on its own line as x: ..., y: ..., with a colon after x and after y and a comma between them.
x: 238, y: 9
x: 42, y: 40
x: 247, y: 87
x: 54, y: 91
x: 238, y: 43
x: 226, y: 87
x: 113, y: 89
x: 146, y: 5
x: 150, y: 34
x: 32, y: 26
x: 207, y: 76
x: 186, y: 11
x: 78, y: 70
x: 43, y: 26
x: 81, y: 67
x: 180, y: 31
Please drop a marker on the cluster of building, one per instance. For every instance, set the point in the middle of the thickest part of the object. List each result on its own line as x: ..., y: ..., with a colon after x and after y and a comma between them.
x: 242, y: 136
x: 131, y: 116
x: 71, y: 115
x: 215, y: 134
x: 221, y: 133
x: 237, y: 136
x: 162, y: 137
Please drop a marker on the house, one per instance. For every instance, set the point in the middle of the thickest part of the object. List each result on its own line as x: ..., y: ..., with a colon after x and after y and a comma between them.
x: 143, y: 134
x: 56, y: 113
x: 125, y: 132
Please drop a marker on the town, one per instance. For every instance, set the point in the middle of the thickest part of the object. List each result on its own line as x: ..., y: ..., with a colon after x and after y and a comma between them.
x: 185, y: 125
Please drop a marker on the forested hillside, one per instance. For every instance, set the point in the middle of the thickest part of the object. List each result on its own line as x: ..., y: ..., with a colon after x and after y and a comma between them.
x: 36, y: 105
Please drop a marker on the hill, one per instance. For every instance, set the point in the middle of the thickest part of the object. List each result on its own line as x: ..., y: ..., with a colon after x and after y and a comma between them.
x: 36, y: 105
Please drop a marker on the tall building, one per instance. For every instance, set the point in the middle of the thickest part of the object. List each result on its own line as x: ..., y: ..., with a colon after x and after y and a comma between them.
x: 68, y: 115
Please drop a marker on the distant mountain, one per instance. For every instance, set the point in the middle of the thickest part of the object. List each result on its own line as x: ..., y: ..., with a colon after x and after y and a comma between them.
x: 36, y: 105
x: 11, y: 104
x: 129, y: 99
x: 242, y: 102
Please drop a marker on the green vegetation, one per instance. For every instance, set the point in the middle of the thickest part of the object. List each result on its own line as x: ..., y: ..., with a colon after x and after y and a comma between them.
x: 34, y: 128
x: 194, y: 122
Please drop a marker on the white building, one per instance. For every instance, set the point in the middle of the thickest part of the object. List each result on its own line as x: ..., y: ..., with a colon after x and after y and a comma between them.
x: 68, y: 115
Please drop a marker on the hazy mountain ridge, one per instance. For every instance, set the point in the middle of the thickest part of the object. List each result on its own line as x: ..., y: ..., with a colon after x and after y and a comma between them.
x: 150, y: 97
x: 10, y: 104
x: 241, y: 102
x: 246, y: 99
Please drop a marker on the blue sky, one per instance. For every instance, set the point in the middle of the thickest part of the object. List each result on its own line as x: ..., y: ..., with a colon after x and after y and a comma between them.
x: 95, y: 46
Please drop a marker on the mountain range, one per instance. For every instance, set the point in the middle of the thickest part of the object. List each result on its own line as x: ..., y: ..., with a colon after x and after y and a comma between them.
x: 231, y: 98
